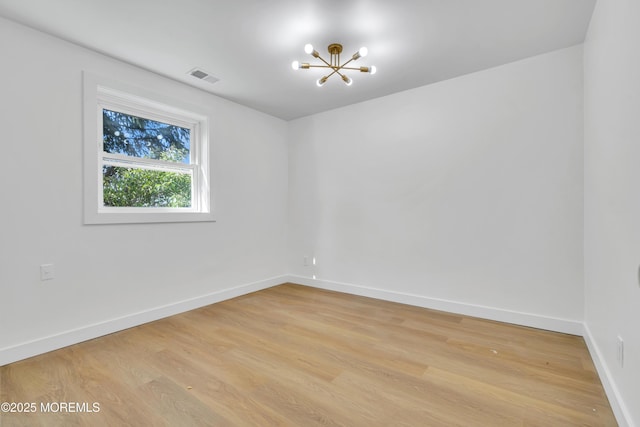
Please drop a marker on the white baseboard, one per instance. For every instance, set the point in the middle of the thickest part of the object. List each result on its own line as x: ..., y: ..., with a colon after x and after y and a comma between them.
x: 615, y: 399
x: 567, y: 326
x: 53, y: 342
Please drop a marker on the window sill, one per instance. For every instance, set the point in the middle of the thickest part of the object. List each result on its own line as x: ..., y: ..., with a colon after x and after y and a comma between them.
x: 146, y: 218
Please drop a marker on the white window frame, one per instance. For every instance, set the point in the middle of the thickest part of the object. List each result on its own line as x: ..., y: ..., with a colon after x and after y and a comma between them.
x: 101, y: 93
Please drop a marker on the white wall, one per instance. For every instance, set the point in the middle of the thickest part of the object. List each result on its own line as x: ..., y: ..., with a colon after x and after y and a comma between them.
x: 464, y: 195
x: 612, y: 195
x: 107, y: 272
x: 468, y: 191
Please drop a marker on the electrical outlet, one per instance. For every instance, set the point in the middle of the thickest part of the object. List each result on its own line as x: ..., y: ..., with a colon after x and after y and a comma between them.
x: 47, y: 272
x: 620, y: 353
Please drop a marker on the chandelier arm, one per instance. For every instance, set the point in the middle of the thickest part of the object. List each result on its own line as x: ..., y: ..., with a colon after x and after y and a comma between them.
x: 333, y: 72
x: 350, y: 60
x: 350, y: 68
x: 335, y: 68
x: 320, y: 66
x: 337, y: 71
x: 322, y: 59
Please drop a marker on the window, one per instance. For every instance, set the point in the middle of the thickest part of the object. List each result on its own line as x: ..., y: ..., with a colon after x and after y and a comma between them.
x: 145, y: 160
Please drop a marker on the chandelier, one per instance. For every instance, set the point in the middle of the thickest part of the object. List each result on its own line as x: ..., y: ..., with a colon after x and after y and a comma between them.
x: 333, y: 64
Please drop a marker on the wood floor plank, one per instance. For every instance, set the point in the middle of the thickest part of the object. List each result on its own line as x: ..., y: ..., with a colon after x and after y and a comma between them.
x: 298, y: 356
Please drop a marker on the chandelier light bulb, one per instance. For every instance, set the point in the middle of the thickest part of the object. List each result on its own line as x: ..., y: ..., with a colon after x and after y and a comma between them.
x: 322, y: 81
x: 373, y: 70
x: 295, y: 65
x: 347, y: 80
x: 363, y: 51
x: 308, y: 48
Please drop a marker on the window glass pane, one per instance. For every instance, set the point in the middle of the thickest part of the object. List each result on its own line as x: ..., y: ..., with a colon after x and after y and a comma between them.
x: 140, y: 137
x: 133, y: 187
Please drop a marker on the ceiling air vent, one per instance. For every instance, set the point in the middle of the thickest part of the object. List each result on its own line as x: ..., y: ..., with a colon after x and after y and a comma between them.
x: 203, y: 75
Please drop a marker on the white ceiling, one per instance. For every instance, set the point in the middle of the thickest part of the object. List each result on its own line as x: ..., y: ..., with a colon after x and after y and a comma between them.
x: 250, y: 44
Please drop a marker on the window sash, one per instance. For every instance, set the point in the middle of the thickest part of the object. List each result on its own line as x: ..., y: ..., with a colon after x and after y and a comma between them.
x: 192, y: 128
x: 118, y: 105
x: 118, y: 160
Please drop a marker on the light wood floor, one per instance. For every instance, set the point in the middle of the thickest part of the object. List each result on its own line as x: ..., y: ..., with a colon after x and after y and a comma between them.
x: 298, y: 356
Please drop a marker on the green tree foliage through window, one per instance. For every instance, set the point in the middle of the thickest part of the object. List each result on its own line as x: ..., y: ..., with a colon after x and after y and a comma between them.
x: 138, y: 186
x: 139, y: 137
